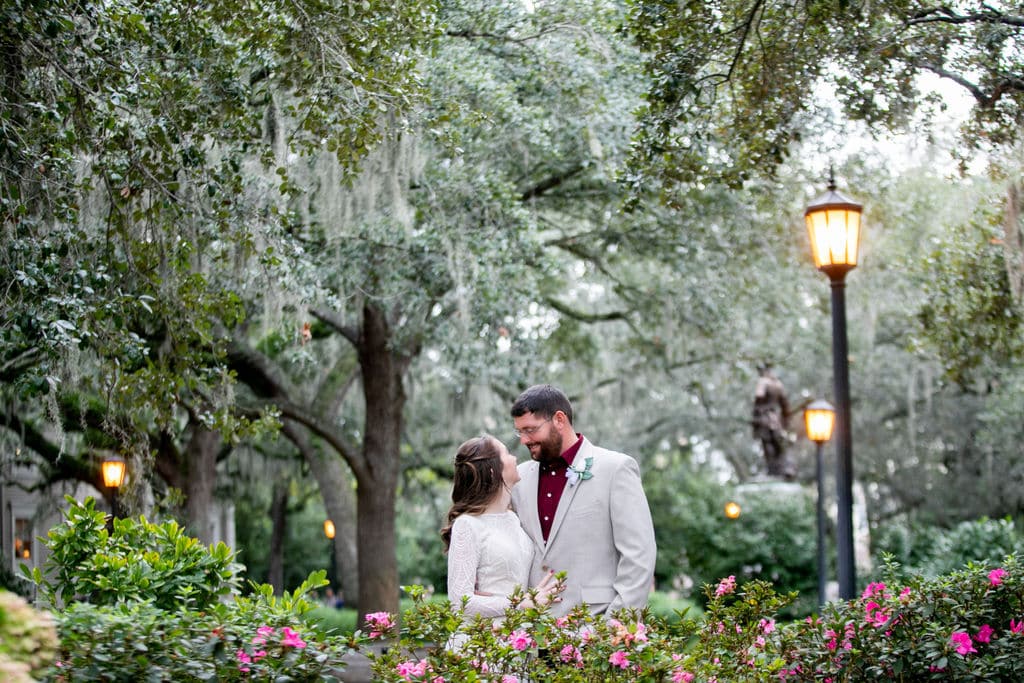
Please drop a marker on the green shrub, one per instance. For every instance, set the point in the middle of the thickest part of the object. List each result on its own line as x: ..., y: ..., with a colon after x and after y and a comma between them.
x: 773, y: 540
x: 965, y: 626
x: 933, y: 551
x: 147, y: 602
x: 139, y: 560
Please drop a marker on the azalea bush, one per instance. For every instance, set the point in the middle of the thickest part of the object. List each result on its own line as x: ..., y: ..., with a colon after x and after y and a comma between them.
x: 145, y: 601
x: 964, y: 626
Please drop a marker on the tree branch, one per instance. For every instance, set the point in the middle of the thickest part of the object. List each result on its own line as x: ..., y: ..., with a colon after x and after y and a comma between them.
x: 552, y: 182
x: 945, y: 15
x: 566, y: 310
x: 256, y: 372
x: 335, y: 322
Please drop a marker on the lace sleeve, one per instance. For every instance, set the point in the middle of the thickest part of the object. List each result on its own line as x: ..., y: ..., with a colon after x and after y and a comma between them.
x: 463, y: 561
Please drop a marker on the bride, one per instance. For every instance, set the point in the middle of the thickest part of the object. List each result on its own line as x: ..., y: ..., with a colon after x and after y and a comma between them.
x: 489, y: 554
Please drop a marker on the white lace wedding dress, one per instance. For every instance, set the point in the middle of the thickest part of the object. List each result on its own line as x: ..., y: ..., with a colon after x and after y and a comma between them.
x: 488, y: 553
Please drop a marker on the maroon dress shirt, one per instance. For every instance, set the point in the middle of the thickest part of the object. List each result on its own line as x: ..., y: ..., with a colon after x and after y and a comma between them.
x: 551, y: 484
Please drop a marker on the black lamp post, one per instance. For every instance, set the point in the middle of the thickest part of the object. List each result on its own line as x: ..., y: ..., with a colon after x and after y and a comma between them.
x: 329, y: 532
x: 819, y: 418
x: 833, y: 224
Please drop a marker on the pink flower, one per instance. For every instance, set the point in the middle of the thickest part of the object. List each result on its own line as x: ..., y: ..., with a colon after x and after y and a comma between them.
x: 725, y: 586
x: 292, y: 639
x: 520, y: 640
x: 570, y: 653
x: 262, y: 633
x: 562, y: 622
x: 873, y: 589
x: 379, y: 622
x: 879, y: 619
x: 995, y: 577
x: 984, y: 634
x: 1016, y: 626
x: 619, y: 659
x: 507, y: 678
x: 410, y: 670
x: 243, y: 659
x: 258, y: 655
x: 767, y: 625
x: 905, y: 594
x: 962, y: 642
x: 379, y: 619
x: 680, y: 676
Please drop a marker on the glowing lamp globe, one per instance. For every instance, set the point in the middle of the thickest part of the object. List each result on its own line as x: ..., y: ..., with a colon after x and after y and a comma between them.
x: 833, y: 225
x: 112, y: 470
x: 819, y: 418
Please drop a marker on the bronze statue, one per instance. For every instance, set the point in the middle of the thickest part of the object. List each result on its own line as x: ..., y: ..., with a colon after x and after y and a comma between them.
x: 771, y: 412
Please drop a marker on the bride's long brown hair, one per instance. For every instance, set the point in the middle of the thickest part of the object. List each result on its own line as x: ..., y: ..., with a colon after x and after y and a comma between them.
x: 477, y: 479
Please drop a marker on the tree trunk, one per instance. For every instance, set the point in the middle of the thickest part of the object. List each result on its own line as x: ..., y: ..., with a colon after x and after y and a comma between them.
x: 339, y: 501
x: 382, y: 371
x: 278, y: 522
x: 200, y: 480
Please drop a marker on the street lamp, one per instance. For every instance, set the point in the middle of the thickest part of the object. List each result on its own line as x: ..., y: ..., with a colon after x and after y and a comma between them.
x: 112, y: 469
x: 833, y: 224
x: 819, y: 418
x: 732, y: 510
x: 113, y: 472
x: 329, y: 532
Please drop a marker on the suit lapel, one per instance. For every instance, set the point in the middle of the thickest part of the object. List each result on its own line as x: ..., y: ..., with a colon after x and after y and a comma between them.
x: 528, y: 517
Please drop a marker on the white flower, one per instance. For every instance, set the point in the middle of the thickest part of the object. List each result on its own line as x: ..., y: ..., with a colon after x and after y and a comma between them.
x: 574, y: 475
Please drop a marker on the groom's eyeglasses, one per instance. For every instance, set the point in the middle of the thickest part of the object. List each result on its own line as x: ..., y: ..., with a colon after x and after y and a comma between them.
x: 530, y: 431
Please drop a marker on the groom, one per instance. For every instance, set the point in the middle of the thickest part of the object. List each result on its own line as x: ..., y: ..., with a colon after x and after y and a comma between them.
x: 584, y: 508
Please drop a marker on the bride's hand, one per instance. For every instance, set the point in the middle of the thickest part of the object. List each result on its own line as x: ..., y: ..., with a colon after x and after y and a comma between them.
x: 548, y: 589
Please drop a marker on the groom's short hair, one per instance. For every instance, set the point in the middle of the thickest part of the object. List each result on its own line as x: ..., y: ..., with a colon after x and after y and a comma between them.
x: 542, y: 400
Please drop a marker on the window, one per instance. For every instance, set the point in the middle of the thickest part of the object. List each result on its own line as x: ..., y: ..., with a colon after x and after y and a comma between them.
x: 22, y: 539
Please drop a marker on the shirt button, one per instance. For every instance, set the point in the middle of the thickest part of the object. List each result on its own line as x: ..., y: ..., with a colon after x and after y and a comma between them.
x: 549, y: 495
x: 545, y: 518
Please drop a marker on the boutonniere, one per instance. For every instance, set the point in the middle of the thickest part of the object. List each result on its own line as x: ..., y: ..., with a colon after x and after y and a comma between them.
x: 574, y: 475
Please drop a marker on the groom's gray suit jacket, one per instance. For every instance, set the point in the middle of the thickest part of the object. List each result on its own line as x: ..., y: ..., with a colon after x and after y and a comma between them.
x: 602, y: 535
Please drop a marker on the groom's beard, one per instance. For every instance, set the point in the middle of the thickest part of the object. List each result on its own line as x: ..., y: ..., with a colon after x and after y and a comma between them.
x: 548, y: 450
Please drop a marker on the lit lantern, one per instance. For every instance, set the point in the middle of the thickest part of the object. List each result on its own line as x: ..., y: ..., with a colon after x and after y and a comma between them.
x: 113, y: 472
x: 833, y: 225
x: 819, y: 418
